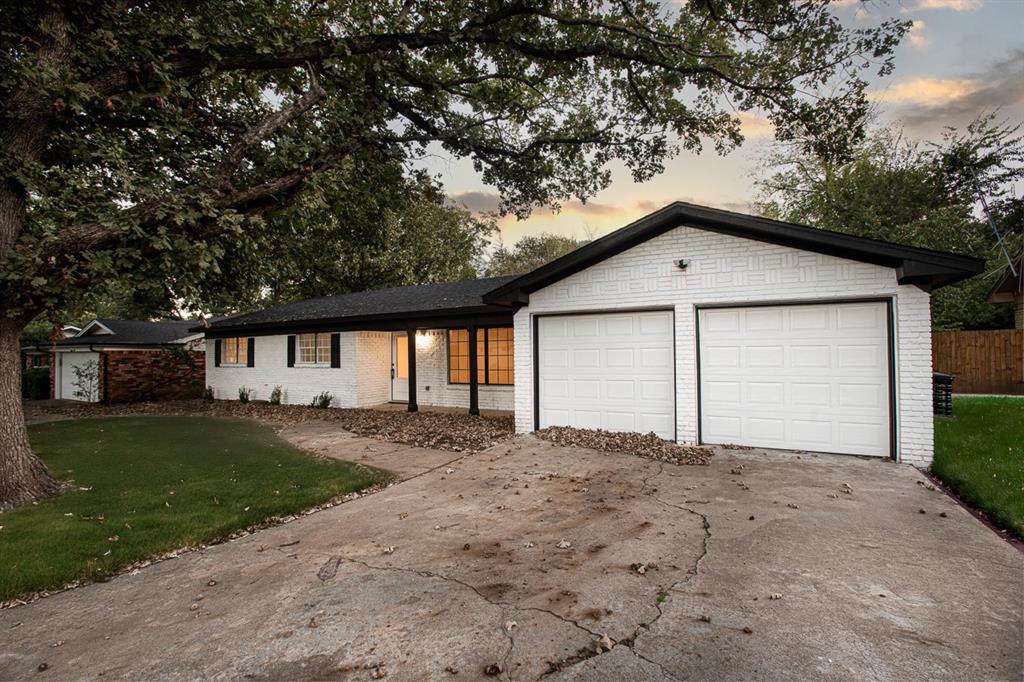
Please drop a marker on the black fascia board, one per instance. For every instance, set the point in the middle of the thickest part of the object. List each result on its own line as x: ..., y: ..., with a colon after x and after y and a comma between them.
x: 926, y: 267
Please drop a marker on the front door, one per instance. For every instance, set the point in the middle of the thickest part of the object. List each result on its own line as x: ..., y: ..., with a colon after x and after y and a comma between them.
x: 400, y: 368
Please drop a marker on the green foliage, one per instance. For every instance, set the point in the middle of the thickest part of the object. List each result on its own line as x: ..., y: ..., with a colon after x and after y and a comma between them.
x: 980, y: 455
x: 208, y: 394
x: 156, y: 146
x: 144, y: 486
x: 244, y: 394
x: 529, y: 253
x: 322, y: 401
x: 921, y: 195
x: 35, y: 383
x: 275, y: 396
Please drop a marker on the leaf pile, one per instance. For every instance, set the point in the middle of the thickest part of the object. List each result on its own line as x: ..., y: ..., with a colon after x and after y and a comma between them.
x: 454, y: 431
x: 646, y: 445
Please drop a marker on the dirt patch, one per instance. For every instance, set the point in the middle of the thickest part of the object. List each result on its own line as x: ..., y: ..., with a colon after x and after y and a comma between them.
x: 646, y: 445
x: 455, y: 432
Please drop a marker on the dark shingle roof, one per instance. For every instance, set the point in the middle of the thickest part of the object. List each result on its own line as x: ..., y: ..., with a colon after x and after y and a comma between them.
x: 134, y: 333
x: 395, y: 301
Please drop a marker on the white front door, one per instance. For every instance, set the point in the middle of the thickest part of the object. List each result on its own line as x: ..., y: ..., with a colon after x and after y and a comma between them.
x: 612, y: 371
x: 400, y: 367
x: 807, y: 377
x: 78, y: 377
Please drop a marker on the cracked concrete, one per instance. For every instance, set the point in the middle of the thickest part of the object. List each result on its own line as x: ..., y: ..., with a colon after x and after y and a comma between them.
x: 424, y: 576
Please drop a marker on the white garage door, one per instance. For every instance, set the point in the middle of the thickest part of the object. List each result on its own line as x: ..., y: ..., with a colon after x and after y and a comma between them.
x: 806, y: 377
x: 611, y: 371
x: 73, y: 388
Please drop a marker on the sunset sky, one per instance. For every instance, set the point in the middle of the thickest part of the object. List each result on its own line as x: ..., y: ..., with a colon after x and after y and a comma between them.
x: 962, y: 58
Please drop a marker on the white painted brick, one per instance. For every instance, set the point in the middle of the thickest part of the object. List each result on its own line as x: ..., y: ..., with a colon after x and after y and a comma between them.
x: 726, y: 269
x: 363, y: 380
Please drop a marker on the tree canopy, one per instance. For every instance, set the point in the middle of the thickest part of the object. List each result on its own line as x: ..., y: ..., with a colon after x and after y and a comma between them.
x: 529, y: 253
x: 919, y: 194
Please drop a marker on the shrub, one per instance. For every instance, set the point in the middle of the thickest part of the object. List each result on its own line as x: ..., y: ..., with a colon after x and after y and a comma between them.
x: 322, y: 401
x: 35, y: 383
x: 244, y: 394
x: 275, y: 396
x: 208, y: 394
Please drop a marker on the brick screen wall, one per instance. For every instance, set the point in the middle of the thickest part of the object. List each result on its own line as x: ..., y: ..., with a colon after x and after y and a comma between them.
x: 139, y: 375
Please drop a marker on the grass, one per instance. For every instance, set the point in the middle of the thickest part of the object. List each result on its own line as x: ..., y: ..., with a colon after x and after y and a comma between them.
x: 980, y: 456
x: 143, y: 486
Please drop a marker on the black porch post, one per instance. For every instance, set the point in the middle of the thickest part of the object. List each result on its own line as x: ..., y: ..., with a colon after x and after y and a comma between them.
x: 474, y: 384
x: 410, y: 336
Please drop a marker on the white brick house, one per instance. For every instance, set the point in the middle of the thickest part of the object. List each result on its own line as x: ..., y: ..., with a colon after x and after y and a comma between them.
x: 698, y: 324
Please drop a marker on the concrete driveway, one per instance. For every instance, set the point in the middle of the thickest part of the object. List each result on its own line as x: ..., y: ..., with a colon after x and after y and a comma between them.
x: 531, y: 559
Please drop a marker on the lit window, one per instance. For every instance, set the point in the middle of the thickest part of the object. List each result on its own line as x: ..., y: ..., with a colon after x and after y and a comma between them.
x: 495, y: 356
x: 234, y: 351
x: 315, y: 349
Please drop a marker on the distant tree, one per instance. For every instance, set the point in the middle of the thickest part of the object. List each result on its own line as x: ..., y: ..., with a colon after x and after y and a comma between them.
x: 918, y: 194
x: 529, y: 253
x: 142, y: 140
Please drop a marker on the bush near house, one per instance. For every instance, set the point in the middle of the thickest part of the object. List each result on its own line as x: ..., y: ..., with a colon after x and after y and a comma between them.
x: 35, y: 383
x: 980, y: 456
x: 143, y: 486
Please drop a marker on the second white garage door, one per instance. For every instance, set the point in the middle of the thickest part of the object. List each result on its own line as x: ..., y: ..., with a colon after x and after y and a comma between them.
x: 612, y: 371
x: 807, y: 377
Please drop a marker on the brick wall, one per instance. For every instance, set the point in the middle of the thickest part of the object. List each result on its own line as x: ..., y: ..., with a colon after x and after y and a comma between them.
x: 726, y: 269
x: 363, y: 380
x: 138, y: 375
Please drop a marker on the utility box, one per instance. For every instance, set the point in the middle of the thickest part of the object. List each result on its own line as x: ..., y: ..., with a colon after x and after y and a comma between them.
x: 942, y: 394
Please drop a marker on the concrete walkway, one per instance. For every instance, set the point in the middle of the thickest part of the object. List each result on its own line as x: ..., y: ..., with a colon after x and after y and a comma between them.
x: 531, y: 559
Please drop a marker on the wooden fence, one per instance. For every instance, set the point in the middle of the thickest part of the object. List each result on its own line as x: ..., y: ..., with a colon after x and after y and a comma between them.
x: 982, y: 362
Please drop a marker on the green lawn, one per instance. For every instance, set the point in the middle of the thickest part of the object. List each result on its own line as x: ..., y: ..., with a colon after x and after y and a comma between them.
x: 980, y: 456
x: 148, y: 485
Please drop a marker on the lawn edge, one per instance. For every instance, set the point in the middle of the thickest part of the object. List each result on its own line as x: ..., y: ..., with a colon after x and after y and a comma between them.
x: 388, y: 479
x: 1009, y: 535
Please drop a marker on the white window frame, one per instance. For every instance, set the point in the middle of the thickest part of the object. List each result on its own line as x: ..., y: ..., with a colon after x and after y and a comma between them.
x: 240, y: 359
x: 321, y: 347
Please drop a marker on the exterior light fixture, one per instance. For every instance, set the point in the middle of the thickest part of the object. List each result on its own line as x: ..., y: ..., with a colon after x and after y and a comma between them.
x: 422, y: 340
x: 682, y: 264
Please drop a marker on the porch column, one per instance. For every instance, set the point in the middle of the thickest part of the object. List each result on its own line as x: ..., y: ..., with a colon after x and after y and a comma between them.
x: 410, y: 336
x: 474, y: 385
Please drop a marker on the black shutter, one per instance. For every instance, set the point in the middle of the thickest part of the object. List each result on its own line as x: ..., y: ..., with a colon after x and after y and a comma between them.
x: 251, y: 360
x: 335, y: 350
x: 216, y: 352
x: 291, y: 351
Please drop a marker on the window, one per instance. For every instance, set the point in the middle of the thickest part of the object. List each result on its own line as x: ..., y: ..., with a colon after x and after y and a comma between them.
x: 234, y: 351
x: 315, y: 349
x: 494, y: 352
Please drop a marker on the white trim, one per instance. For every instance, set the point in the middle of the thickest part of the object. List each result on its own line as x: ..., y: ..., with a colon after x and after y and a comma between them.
x: 97, y: 323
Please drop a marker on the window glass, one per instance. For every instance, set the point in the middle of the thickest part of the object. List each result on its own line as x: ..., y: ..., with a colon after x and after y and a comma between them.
x: 234, y: 351
x: 495, y: 356
x: 323, y: 348
x: 307, y: 348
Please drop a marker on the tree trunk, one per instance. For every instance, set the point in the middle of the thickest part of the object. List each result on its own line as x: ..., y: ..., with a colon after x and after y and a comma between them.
x: 23, y: 476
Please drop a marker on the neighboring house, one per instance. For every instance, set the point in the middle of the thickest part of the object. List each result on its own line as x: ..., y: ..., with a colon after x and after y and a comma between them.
x: 1010, y: 289
x: 701, y: 325
x: 128, y: 360
x: 38, y: 356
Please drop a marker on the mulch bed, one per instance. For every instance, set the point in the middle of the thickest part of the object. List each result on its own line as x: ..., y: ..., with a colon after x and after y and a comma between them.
x: 640, y: 444
x: 457, y: 432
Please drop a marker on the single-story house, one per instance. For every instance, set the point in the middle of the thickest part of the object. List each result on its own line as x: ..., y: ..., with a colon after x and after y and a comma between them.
x: 121, y: 361
x: 701, y: 325
x: 1010, y: 289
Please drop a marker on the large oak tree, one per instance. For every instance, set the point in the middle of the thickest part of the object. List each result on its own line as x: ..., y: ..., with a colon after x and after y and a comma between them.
x: 140, y: 137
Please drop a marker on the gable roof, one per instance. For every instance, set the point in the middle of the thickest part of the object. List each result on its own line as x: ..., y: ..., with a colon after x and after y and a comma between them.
x: 923, y: 267
x: 1010, y: 284
x: 377, y: 306
x: 110, y: 332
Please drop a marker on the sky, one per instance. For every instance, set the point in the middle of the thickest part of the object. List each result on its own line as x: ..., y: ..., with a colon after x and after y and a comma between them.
x: 960, y: 59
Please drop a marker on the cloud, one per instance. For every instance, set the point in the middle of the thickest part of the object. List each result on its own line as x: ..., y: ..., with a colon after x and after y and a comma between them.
x: 916, y: 34
x: 754, y: 126
x: 480, y: 202
x: 955, y: 5
x: 929, y: 104
x: 925, y: 91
